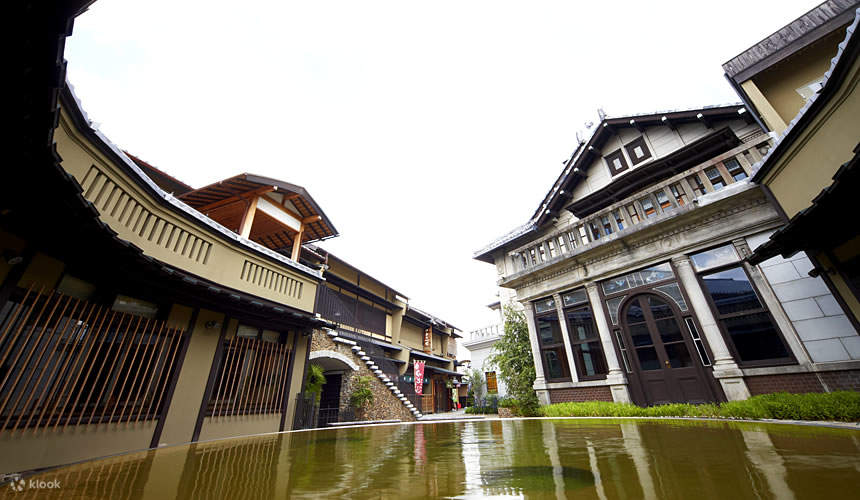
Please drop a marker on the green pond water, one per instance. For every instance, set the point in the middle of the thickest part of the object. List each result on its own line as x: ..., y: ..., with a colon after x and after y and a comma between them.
x: 493, y: 458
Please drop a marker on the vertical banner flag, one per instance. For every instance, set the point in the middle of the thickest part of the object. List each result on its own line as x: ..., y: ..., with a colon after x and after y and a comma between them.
x: 419, y: 377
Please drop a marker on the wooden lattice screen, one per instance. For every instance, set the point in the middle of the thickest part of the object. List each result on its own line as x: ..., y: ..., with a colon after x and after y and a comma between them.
x: 66, y: 361
x: 251, y: 378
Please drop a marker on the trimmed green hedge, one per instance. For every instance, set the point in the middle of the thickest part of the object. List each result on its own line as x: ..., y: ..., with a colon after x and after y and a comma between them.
x: 841, y: 406
x: 480, y: 410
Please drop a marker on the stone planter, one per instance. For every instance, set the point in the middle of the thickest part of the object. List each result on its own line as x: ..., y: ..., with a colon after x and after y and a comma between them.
x: 505, y: 413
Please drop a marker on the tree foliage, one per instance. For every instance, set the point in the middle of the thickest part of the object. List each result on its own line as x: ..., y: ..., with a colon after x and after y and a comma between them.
x: 315, y: 381
x: 512, y: 354
x: 476, y: 379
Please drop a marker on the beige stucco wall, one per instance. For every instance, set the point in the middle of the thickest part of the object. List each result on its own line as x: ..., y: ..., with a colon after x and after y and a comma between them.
x: 130, y: 211
x: 411, y: 336
x: 780, y: 82
x: 26, y: 450
x: 808, y: 164
x: 244, y: 425
x: 298, y: 371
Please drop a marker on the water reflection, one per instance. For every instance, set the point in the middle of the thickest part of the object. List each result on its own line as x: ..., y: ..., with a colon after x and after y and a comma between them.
x: 526, y: 459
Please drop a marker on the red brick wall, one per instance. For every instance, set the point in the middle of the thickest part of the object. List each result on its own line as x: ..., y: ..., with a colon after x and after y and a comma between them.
x: 845, y: 380
x: 580, y: 394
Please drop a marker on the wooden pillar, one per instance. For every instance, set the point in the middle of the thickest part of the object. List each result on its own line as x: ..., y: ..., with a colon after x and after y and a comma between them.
x: 297, y: 243
x: 248, y: 218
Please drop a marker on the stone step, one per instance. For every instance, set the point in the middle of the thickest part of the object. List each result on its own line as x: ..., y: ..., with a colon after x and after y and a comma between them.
x: 377, y: 371
x: 361, y: 353
x: 365, y: 358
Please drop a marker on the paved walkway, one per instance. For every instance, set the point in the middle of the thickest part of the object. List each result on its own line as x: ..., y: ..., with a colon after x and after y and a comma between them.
x: 455, y: 415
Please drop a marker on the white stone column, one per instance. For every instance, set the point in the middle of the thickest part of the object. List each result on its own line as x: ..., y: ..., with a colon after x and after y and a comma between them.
x: 568, y: 349
x: 725, y: 368
x: 616, y: 379
x: 540, y: 380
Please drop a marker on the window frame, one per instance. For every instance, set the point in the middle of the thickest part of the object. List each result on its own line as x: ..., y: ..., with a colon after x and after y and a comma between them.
x: 727, y: 338
x: 610, y: 162
x: 551, y: 346
x: 576, y: 343
x: 631, y: 150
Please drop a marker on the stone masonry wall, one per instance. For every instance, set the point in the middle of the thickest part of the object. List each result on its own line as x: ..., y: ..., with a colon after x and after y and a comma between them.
x: 580, y: 394
x: 385, y: 405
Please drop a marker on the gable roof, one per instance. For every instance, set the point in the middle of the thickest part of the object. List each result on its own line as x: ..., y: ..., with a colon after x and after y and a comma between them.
x: 574, y: 171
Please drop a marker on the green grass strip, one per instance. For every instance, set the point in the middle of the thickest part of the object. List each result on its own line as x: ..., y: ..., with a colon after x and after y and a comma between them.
x: 842, y: 406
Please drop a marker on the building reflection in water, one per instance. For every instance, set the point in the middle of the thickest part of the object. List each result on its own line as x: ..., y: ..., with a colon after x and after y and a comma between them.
x: 529, y: 458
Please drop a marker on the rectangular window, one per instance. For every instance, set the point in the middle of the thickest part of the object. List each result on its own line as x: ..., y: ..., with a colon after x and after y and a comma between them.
x: 571, y: 238
x: 634, y: 215
x: 595, y: 232
x: 552, y: 250
x: 552, y: 347
x: 585, y: 343
x: 583, y: 236
x: 619, y: 219
x: 745, y: 320
x: 524, y: 261
x: 492, y: 385
x: 663, y: 200
x: 533, y: 256
x: 716, y: 179
x: 735, y: 170
x: 697, y: 185
x: 541, y: 252
x: 648, y: 207
x: 561, y: 246
x: 607, y: 226
x: 678, y: 193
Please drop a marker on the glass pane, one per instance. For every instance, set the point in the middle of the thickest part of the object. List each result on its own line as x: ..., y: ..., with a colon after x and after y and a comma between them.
x: 549, y: 329
x: 669, y: 330
x: 575, y: 297
x: 580, y: 324
x: 715, y: 178
x: 615, y: 285
x: 708, y: 259
x: 640, y: 335
x: 618, y: 219
x: 612, y: 305
x: 673, y: 291
x: 648, y: 358
x: 678, y: 355
x: 755, y: 337
x: 555, y: 364
x: 657, y: 273
x: 590, y: 359
x: 545, y: 305
x: 634, y: 313
x: 731, y: 291
x: 735, y: 170
x: 659, y: 309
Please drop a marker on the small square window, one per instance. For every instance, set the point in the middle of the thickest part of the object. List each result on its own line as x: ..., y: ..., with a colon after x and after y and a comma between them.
x: 663, y: 200
x: 634, y: 215
x: 616, y: 162
x: 697, y: 184
x: 561, y: 246
x: 607, y: 226
x: 571, y: 238
x: 648, y: 207
x: 678, y: 193
x: 583, y: 236
x: 638, y: 150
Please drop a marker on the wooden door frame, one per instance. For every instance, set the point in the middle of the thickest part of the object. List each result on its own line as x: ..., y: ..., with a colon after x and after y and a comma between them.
x: 706, y: 376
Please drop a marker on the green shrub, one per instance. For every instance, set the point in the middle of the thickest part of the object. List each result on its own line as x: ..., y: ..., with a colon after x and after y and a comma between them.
x: 480, y: 410
x: 840, y: 406
x: 361, y: 394
x: 508, y: 403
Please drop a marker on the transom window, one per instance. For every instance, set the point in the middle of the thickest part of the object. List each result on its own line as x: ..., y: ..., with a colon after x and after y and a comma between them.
x: 635, y: 279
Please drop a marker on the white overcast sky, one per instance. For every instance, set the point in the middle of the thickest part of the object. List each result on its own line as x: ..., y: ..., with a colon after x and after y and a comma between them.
x: 423, y: 130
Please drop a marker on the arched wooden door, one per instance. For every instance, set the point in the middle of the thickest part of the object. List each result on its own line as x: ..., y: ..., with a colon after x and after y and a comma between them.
x: 664, y: 357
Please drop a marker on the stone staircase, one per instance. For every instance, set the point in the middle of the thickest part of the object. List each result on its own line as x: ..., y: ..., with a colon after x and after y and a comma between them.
x: 359, y: 353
